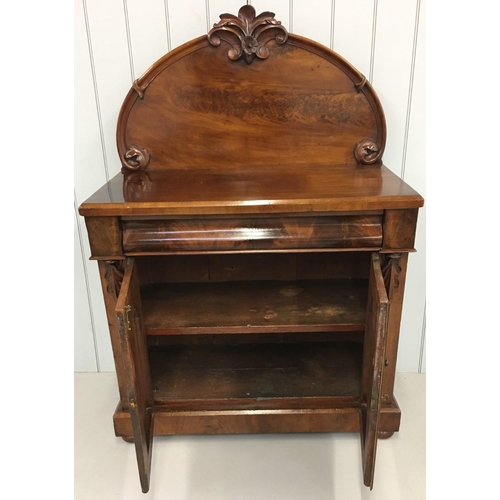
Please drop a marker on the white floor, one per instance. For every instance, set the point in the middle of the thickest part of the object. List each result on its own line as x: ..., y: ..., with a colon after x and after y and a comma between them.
x: 245, y: 467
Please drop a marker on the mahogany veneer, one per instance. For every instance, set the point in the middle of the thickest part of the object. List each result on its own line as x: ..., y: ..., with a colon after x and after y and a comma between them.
x: 253, y: 250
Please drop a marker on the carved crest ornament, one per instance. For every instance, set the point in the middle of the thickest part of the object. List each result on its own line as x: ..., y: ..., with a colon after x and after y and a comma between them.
x: 247, y: 34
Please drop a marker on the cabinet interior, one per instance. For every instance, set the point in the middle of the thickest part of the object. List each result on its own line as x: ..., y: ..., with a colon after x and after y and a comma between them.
x: 255, y: 331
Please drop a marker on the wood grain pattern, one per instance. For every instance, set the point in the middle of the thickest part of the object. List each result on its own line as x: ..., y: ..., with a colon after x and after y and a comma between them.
x: 254, y: 338
x: 301, y: 105
x: 169, y: 422
x: 162, y: 236
x: 252, y: 267
x: 252, y: 190
x: 281, y: 155
x: 254, y: 306
x: 352, y: 40
x: 136, y: 370
x: 249, y: 375
x: 399, y: 229
x: 373, y: 362
x: 108, y: 271
x: 395, y: 295
x: 105, y: 237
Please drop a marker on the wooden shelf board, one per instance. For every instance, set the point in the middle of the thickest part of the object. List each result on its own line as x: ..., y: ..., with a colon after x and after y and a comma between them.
x: 256, y: 376
x: 254, y: 306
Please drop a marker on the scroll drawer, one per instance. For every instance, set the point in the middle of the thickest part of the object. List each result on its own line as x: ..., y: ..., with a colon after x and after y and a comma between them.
x: 165, y: 236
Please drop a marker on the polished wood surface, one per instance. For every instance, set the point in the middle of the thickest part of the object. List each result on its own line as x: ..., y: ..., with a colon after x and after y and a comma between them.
x: 136, y: 370
x: 254, y: 306
x: 399, y: 229
x: 252, y: 190
x: 165, y: 236
x: 373, y: 363
x: 303, y: 104
x: 105, y: 237
x: 252, y: 267
x: 111, y: 275
x: 394, y: 270
x: 344, y: 419
x: 254, y: 247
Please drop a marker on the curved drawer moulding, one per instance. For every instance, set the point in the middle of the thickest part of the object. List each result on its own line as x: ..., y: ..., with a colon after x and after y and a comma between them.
x: 165, y: 236
x: 301, y: 104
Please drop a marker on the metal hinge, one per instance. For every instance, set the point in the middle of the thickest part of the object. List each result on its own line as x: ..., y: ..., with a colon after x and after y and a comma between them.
x: 127, y: 309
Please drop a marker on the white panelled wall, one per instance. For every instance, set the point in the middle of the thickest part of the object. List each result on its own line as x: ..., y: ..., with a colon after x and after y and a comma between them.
x: 117, y: 40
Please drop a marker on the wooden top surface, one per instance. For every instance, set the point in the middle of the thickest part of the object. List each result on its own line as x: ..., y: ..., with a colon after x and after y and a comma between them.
x: 216, y: 127
x: 252, y: 190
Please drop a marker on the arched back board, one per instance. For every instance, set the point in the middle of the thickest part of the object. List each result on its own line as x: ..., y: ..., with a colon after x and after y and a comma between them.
x: 250, y: 94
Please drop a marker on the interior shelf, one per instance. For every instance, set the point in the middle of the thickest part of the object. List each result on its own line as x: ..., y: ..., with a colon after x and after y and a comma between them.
x: 256, y: 376
x: 254, y: 307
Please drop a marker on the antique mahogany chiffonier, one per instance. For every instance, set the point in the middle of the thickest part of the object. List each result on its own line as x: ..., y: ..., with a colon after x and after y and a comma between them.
x: 253, y: 249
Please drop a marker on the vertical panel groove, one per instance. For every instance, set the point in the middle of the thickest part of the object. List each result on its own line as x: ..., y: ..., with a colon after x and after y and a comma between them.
x: 129, y: 41
x: 96, y: 91
x: 422, y: 341
x: 374, y: 33
x: 87, y: 284
x: 207, y: 9
x: 167, y: 24
x: 410, y: 89
x: 332, y: 26
x: 290, y: 25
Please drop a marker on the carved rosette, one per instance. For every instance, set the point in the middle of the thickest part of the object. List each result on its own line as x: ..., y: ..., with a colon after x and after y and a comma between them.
x: 391, y: 271
x: 135, y: 158
x: 114, y: 276
x: 367, y: 152
x: 247, y: 34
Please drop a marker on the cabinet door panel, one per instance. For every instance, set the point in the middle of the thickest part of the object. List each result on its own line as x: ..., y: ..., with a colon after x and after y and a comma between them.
x: 136, y: 369
x: 373, y: 359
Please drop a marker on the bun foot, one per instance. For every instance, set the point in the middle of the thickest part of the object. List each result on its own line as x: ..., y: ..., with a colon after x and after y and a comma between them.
x: 385, y: 435
x: 130, y: 439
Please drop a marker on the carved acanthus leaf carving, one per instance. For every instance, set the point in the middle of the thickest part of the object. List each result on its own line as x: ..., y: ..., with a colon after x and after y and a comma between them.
x: 114, y: 276
x: 136, y: 158
x: 367, y: 152
x: 247, y: 34
x: 391, y: 271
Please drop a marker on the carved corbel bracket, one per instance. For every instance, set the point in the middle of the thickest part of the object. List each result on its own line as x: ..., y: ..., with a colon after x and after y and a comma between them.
x: 114, y: 276
x: 247, y: 34
x: 391, y: 270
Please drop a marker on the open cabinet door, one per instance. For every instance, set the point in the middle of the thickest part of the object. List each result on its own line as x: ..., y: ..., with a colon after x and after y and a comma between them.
x: 136, y: 369
x: 373, y: 359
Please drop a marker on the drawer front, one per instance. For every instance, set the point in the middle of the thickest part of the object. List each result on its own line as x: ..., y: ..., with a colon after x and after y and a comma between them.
x: 171, y: 236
